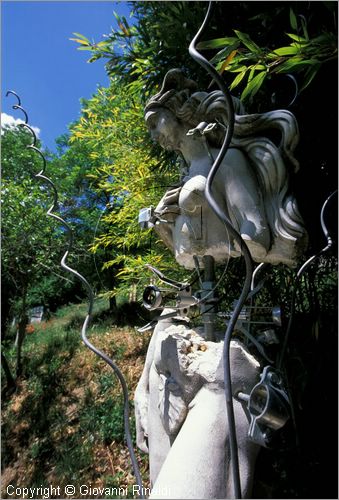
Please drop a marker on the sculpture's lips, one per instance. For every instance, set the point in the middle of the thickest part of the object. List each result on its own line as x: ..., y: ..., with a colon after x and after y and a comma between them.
x: 164, y: 143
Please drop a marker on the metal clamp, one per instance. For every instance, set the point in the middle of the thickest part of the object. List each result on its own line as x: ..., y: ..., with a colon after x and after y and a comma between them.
x: 154, y: 297
x: 148, y: 218
x: 268, y: 405
x: 202, y: 129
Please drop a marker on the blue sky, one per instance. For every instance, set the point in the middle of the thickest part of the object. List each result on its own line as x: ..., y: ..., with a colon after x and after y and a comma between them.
x: 44, y: 67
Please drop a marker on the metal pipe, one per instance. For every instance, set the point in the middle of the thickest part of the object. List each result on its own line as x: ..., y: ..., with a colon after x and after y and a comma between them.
x: 246, y: 254
x: 208, y: 313
x: 41, y: 176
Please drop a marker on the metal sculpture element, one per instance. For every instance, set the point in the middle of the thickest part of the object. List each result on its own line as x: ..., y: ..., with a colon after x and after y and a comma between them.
x: 170, y: 390
x: 50, y: 212
x: 266, y: 401
x: 246, y: 254
x: 302, y: 270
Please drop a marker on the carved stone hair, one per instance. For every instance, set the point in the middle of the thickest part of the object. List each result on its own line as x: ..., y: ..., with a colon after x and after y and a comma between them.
x: 180, y: 95
x: 192, y: 108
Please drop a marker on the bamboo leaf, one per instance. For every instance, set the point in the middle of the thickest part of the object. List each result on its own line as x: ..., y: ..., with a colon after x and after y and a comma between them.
x: 81, y: 36
x: 304, y: 27
x: 287, y: 51
x: 227, y: 61
x: 82, y: 42
x: 238, y: 69
x: 247, y: 41
x: 297, y: 38
x: 295, y: 63
x: 251, y: 74
x: 225, y: 52
x: 293, y: 20
x: 309, y: 76
x: 216, y: 43
x: 254, y: 85
x: 103, y: 44
x: 238, y: 79
x: 82, y: 47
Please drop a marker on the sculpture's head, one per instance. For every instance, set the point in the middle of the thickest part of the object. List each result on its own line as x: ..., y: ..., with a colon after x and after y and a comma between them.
x: 165, y: 128
x: 162, y: 111
x: 179, y: 107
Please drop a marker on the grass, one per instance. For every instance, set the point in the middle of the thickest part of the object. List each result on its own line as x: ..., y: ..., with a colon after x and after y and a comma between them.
x: 64, y: 424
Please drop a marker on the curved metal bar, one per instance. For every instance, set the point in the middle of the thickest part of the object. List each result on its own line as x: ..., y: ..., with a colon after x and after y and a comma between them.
x: 322, y: 221
x: 15, y: 94
x: 40, y: 175
x: 292, y: 77
x: 300, y: 273
x: 20, y: 108
x: 25, y: 125
x: 165, y: 279
x: 23, y: 111
x: 258, y: 268
x: 34, y: 148
x: 246, y: 254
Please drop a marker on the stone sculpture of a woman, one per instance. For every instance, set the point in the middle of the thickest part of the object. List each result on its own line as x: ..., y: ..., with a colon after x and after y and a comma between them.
x: 252, y: 183
x: 180, y: 402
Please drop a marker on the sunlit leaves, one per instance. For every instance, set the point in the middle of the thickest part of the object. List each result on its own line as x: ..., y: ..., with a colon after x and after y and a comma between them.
x: 140, y: 54
x: 242, y: 55
x: 253, y: 85
x: 286, y: 51
x: 113, y: 131
x: 27, y: 232
x: 217, y: 43
x: 248, y: 42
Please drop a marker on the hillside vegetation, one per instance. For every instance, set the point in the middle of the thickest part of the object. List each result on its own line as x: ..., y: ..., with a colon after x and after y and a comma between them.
x: 64, y: 424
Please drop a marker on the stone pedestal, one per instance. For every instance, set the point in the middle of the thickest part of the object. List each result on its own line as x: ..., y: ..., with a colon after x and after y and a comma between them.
x: 181, y: 414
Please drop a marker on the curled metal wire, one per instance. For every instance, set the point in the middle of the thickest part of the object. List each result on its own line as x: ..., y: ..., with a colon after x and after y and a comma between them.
x: 50, y: 212
x: 237, y: 237
x: 248, y: 261
x: 302, y: 270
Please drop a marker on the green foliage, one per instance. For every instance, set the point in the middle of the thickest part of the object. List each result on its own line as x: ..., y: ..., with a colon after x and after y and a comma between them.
x: 103, y: 418
x: 31, y: 252
x: 28, y: 248
x: 140, y: 54
x: 252, y: 64
x: 125, y: 173
x: 67, y: 411
x: 141, y: 51
x: 32, y: 242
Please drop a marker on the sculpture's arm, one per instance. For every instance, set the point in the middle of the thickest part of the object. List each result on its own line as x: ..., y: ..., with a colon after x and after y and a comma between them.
x: 167, y: 210
x: 141, y: 398
x: 165, y: 232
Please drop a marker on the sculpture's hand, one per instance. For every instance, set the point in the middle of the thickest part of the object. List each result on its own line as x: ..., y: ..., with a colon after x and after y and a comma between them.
x: 168, y: 208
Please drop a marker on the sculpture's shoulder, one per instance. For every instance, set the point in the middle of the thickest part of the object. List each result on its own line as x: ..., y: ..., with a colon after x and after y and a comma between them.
x: 234, y: 164
x: 235, y: 155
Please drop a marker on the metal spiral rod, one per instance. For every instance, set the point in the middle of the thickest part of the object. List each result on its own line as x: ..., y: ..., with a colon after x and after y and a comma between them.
x: 50, y: 212
x: 301, y: 272
x: 202, y: 61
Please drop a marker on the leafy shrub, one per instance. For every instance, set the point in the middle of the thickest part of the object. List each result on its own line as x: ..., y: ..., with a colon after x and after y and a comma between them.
x: 103, y: 419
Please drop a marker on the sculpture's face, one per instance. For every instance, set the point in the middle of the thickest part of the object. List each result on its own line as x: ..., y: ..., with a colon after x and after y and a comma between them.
x: 165, y: 128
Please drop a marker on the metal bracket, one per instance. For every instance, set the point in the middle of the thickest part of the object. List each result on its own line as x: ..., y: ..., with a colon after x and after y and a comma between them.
x: 268, y: 405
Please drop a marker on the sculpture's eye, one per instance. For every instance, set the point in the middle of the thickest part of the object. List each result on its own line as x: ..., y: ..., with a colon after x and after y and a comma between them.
x: 152, y: 121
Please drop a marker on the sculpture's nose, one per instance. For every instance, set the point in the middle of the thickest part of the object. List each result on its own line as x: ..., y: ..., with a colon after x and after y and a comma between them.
x: 155, y: 134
